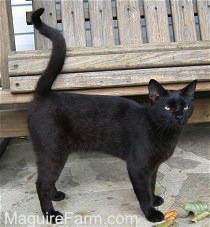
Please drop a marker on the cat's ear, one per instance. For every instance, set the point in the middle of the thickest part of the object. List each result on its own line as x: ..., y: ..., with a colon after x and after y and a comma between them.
x: 155, y: 90
x: 189, y: 90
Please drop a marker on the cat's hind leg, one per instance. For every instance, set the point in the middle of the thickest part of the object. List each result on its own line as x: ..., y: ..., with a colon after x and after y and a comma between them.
x: 50, y: 162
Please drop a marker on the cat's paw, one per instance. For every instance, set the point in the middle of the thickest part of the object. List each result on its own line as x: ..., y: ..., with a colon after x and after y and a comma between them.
x: 155, y: 215
x: 58, y: 196
x: 54, y: 217
x: 158, y: 201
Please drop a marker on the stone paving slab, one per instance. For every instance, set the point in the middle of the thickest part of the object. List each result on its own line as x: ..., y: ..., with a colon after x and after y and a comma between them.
x: 98, y: 184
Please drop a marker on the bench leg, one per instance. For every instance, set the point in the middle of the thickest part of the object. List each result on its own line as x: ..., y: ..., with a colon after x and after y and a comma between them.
x: 3, y: 145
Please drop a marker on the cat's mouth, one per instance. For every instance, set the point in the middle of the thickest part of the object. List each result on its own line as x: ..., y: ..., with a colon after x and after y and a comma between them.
x: 177, y: 123
x: 181, y: 122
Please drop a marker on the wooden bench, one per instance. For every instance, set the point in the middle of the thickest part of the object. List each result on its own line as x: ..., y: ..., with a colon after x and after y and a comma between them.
x: 157, y: 40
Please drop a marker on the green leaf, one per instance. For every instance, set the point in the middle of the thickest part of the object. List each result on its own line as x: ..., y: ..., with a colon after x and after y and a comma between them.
x: 198, y: 217
x: 196, y: 207
x: 165, y: 224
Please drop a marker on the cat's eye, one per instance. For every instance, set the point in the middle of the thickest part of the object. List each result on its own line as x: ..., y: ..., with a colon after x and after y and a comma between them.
x: 186, y: 107
x: 167, y: 108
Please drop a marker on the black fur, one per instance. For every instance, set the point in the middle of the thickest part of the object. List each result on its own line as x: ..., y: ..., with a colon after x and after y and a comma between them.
x: 143, y: 136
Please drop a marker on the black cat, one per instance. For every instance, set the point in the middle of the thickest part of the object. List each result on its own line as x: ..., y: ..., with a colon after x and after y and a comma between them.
x: 143, y: 136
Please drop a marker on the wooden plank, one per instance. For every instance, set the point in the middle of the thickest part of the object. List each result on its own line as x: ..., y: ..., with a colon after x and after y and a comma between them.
x: 156, y: 18
x: 86, y: 14
x: 118, y: 78
x: 4, y: 45
x: 73, y: 22
x: 14, y: 122
x: 6, y: 41
x: 201, y: 112
x: 110, y: 62
x: 49, y: 17
x: 183, y: 20
x: 17, y: 101
x: 204, y: 18
x: 3, y: 145
x: 194, y: 45
x: 101, y: 22
x: 129, y: 24
x: 9, y: 101
x: 114, y: 13
x: 11, y: 37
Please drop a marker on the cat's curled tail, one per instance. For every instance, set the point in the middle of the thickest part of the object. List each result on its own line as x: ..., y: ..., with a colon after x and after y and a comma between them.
x: 57, y: 58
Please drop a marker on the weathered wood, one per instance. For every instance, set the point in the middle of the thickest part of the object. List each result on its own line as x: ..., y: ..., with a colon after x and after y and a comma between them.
x: 49, y: 17
x: 86, y: 14
x: 204, y: 18
x: 9, y: 101
x: 150, y: 59
x: 15, y: 101
x: 129, y: 24
x: 6, y: 40
x: 73, y: 22
x: 102, y: 28
x: 14, y: 122
x: 74, y: 81
x: 156, y: 18
x: 183, y: 20
x: 4, y: 45
x: 201, y: 112
x: 174, y: 46
x: 114, y: 12
x: 11, y: 37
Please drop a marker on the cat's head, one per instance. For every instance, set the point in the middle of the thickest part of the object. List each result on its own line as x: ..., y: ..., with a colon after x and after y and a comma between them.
x: 173, y: 107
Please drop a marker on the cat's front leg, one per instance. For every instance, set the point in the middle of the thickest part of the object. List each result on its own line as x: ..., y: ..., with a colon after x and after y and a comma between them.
x: 157, y: 200
x: 141, y: 181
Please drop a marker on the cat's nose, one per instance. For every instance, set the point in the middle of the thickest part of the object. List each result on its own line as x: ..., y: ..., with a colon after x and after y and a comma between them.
x: 179, y: 117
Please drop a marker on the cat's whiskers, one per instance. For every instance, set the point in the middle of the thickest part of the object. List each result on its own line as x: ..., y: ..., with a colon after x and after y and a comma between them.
x: 162, y: 130
x: 157, y: 126
x: 159, y: 131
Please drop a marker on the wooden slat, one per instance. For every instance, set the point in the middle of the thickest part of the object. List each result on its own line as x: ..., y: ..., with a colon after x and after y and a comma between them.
x: 204, y: 18
x: 6, y: 40
x: 17, y: 101
x: 201, y: 112
x: 9, y: 101
x: 149, y: 59
x: 86, y: 14
x: 156, y: 18
x: 102, y: 28
x: 49, y: 17
x: 4, y: 44
x: 129, y: 24
x: 174, y: 46
x: 183, y: 20
x: 14, y: 122
x: 74, y: 81
x: 11, y: 37
x: 73, y: 22
x: 114, y: 12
